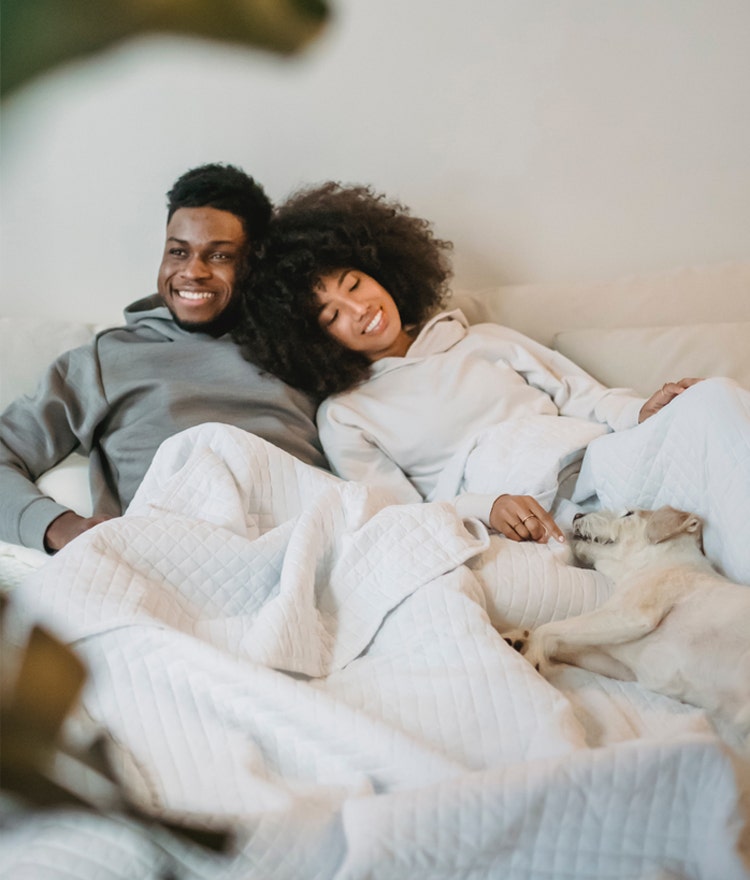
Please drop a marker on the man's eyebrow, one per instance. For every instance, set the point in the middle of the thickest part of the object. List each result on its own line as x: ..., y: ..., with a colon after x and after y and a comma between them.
x: 217, y: 242
x: 342, y: 276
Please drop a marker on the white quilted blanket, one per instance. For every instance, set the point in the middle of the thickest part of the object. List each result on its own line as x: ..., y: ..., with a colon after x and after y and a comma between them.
x: 285, y: 653
x: 695, y: 455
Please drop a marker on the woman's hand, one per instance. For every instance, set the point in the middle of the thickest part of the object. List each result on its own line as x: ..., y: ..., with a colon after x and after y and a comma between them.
x: 522, y: 518
x: 666, y: 394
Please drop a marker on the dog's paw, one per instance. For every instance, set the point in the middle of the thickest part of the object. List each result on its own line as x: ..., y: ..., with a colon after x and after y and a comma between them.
x: 518, y: 639
x: 536, y: 655
x: 526, y: 643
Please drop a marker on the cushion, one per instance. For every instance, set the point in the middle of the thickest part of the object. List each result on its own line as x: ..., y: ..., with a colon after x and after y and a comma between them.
x: 693, y: 295
x: 68, y: 484
x: 643, y: 358
x: 29, y: 345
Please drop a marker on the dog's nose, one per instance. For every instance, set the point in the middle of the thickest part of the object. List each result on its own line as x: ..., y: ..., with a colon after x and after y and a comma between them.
x: 577, y: 516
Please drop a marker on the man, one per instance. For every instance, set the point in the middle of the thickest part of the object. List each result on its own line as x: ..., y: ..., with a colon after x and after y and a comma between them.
x: 172, y: 366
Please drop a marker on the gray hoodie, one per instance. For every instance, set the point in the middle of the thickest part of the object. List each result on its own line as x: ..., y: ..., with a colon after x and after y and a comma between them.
x: 117, y: 398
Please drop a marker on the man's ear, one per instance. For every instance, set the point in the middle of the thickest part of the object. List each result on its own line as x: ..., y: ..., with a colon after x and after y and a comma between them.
x: 667, y: 523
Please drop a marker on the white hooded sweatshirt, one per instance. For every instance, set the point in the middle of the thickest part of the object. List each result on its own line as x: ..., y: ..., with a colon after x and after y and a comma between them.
x: 466, y: 416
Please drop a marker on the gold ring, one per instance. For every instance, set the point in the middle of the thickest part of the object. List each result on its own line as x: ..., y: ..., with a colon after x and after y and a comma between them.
x: 530, y: 516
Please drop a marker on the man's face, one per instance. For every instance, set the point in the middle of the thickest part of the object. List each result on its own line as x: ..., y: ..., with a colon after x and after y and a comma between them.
x: 201, y: 256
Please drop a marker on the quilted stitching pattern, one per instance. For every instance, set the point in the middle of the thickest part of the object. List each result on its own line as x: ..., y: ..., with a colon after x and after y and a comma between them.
x: 527, y: 585
x: 695, y: 455
x: 404, y: 738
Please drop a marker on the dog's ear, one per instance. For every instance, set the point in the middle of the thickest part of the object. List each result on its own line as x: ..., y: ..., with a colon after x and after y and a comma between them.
x: 667, y: 523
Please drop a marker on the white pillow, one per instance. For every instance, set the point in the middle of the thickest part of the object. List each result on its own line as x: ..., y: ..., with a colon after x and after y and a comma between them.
x: 693, y: 295
x: 68, y: 484
x: 643, y: 358
x: 28, y: 346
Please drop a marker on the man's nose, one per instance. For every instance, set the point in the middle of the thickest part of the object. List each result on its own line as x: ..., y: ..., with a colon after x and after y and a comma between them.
x: 196, y: 267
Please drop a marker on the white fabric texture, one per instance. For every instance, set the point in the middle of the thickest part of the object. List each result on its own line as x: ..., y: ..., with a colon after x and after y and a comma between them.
x: 412, y: 426
x: 693, y: 454
x: 404, y: 739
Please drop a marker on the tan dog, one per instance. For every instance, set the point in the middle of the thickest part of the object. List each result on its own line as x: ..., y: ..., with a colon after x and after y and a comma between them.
x: 673, y: 623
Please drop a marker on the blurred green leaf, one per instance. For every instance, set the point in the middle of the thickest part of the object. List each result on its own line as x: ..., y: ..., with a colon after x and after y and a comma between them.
x: 37, y: 35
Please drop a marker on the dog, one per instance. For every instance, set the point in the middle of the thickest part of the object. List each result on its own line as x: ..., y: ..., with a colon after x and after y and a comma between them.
x: 673, y: 623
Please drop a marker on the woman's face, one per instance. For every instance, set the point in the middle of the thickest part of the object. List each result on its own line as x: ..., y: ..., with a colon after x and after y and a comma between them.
x: 361, y: 314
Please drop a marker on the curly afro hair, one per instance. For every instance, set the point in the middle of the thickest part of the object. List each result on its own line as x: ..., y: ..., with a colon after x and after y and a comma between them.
x: 226, y: 188
x: 317, y: 231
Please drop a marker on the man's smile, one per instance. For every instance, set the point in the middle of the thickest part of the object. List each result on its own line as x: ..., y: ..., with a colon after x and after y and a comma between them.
x: 195, y: 295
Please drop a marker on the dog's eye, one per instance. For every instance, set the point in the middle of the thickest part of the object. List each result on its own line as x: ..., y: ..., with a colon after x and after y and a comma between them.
x: 628, y: 513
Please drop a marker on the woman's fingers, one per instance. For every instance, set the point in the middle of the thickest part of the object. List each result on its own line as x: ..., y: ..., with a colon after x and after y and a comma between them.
x: 666, y: 394
x: 522, y: 518
x: 542, y: 526
x: 538, y: 527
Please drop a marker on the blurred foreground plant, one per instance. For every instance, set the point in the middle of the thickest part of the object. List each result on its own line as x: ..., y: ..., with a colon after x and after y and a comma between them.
x: 36, y: 35
x: 47, y: 763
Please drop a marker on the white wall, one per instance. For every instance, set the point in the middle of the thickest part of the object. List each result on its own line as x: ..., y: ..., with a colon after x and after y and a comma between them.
x: 549, y: 139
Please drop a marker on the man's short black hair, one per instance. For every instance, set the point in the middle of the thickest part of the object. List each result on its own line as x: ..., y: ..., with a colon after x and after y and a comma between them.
x: 226, y: 188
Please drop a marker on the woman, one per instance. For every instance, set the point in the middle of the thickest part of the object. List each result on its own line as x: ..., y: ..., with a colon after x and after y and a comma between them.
x: 346, y: 304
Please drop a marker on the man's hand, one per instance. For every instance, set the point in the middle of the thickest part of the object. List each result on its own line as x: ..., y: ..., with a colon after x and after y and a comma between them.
x: 67, y: 526
x: 522, y: 518
x: 666, y: 394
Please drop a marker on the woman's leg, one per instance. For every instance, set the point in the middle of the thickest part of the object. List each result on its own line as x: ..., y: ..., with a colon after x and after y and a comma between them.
x: 694, y: 455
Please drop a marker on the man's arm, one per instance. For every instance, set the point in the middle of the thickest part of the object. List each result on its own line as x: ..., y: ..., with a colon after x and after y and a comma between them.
x: 39, y: 431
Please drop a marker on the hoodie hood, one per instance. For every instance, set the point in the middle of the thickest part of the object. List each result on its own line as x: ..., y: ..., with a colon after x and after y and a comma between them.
x: 440, y: 333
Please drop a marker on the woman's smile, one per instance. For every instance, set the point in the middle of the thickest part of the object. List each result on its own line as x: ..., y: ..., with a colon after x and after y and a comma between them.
x: 375, y: 324
x: 359, y: 313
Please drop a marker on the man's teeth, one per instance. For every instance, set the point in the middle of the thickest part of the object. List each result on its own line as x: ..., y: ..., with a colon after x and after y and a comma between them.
x: 375, y: 321
x: 194, y: 294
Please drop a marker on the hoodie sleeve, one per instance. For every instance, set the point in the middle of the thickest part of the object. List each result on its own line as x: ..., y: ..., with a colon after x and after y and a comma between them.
x: 354, y: 454
x: 574, y: 392
x: 39, y: 431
